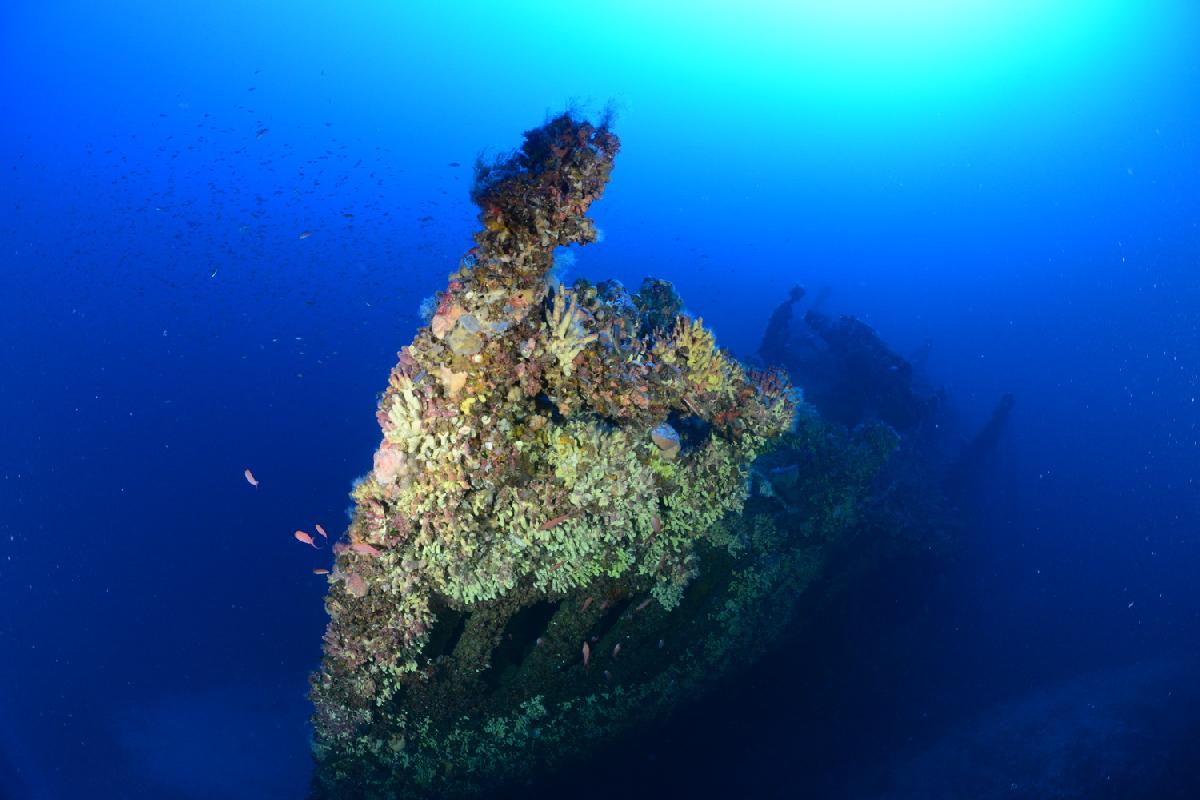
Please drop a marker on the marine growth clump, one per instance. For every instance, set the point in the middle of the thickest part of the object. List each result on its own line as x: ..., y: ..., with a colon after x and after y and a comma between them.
x: 550, y: 544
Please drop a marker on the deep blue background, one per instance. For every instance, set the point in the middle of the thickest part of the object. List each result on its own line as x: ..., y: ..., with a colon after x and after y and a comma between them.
x: 1015, y: 182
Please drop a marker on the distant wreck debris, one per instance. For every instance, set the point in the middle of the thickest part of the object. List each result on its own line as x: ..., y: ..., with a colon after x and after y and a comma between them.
x: 965, y: 474
x: 846, y: 369
x: 854, y: 378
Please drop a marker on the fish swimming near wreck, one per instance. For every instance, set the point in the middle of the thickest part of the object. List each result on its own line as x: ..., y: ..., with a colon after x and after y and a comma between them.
x: 307, y: 538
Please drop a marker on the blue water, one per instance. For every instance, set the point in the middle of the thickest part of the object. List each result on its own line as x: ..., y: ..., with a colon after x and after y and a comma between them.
x: 1015, y: 183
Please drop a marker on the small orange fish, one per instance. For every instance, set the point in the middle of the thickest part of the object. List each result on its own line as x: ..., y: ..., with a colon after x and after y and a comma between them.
x: 307, y: 538
x: 250, y: 479
x: 554, y: 522
x: 320, y: 571
x: 304, y: 234
x: 587, y: 654
x: 364, y: 548
x: 321, y: 531
x: 586, y: 603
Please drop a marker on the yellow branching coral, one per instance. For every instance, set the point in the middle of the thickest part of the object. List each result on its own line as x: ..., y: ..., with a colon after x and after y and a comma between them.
x: 403, y: 415
x: 693, y: 348
x: 568, y: 337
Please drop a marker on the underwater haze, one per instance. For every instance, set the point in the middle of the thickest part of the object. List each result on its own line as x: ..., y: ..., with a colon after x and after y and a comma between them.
x: 219, y: 220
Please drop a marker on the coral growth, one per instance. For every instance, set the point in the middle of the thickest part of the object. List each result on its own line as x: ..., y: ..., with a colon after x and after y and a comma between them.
x: 539, y: 444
